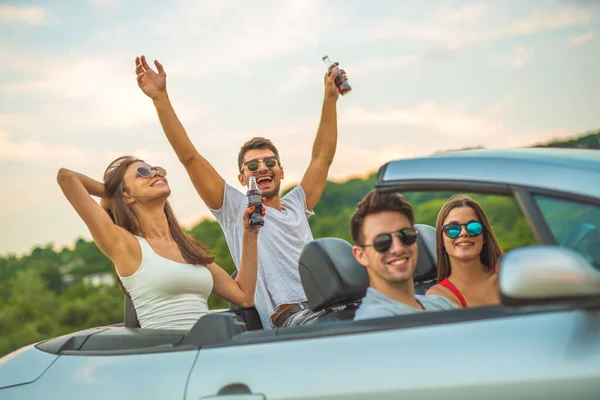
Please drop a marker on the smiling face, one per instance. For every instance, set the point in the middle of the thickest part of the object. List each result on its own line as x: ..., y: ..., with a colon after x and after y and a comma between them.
x: 267, y: 178
x: 144, y: 189
x: 464, y: 248
x: 397, y: 265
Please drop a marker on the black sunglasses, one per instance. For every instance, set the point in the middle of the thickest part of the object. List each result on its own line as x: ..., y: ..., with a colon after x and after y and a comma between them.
x: 383, y: 242
x: 145, y: 172
x: 473, y: 228
x: 253, y: 165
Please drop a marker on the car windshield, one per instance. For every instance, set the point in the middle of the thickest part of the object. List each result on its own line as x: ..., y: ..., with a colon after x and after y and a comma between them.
x: 574, y: 224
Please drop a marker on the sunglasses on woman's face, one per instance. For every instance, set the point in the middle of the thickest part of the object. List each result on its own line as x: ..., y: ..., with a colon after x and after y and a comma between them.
x: 253, y: 165
x: 383, y: 242
x: 146, y: 172
x: 473, y: 228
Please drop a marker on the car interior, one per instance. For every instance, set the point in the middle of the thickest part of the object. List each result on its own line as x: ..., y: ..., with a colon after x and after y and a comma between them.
x: 334, y: 282
x: 332, y: 279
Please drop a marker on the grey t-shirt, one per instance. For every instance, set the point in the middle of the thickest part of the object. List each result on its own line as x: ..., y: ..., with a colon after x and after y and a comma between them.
x: 376, y: 305
x: 280, y: 242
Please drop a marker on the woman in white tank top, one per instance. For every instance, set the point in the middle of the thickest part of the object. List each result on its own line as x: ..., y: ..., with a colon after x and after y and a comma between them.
x: 167, y: 273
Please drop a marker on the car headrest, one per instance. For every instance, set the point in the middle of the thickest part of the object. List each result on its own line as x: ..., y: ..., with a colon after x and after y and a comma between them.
x: 427, y: 262
x: 330, y: 274
x: 130, y: 317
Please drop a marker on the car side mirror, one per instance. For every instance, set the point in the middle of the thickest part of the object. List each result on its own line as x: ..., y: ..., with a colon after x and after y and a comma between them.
x: 546, y: 274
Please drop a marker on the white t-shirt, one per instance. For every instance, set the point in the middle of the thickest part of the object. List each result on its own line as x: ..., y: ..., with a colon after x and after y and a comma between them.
x: 280, y: 242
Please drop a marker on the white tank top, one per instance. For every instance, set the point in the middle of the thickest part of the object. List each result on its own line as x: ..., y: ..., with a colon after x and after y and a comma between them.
x: 167, y: 294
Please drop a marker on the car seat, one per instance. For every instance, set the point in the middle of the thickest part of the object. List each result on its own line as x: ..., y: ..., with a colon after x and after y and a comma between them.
x: 335, y: 282
x: 248, y: 315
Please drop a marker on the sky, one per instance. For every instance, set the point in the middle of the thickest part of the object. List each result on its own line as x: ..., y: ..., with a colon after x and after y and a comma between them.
x: 426, y: 76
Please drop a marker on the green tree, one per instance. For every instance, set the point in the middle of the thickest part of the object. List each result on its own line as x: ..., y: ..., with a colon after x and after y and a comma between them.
x: 29, y: 313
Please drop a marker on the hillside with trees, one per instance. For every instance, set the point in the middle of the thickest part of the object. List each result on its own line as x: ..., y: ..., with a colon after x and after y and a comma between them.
x: 48, y: 293
x: 590, y: 140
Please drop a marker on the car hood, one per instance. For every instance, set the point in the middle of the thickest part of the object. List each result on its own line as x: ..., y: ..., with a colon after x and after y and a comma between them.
x: 24, y: 366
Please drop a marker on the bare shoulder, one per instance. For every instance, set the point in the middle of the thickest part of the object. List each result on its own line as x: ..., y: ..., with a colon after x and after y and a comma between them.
x: 128, y: 256
x: 439, y: 290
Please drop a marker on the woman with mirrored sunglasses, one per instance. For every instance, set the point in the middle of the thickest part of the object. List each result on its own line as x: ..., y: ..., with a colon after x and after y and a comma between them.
x: 467, y: 254
x: 167, y: 274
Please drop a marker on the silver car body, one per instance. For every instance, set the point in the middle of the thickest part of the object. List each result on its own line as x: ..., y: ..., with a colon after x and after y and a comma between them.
x: 543, y: 350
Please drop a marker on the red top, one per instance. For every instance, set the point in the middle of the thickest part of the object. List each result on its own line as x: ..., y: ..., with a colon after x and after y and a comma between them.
x: 448, y: 285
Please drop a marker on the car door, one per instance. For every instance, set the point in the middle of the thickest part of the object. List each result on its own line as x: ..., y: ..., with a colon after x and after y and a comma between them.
x: 486, y: 353
x: 97, y: 376
x: 108, y: 363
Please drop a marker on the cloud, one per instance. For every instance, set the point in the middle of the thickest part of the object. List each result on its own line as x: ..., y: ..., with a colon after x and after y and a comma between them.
x: 147, y: 155
x: 258, y: 34
x: 381, y: 64
x: 449, y: 50
x: 312, y: 74
x: 549, y: 20
x: 579, y: 39
x: 104, y: 3
x: 28, y: 15
x: 39, y: 152
x: 91, y: 92
x: 299, y: 77
x: 444, y: 120
x: 443, y: 24
x: 519, y: 57
x: 470, y: 14
x: 17, y: 61
x: 479, y: 23
x: 395, y: 29
x: 371, y: 159
x: 11, y: 121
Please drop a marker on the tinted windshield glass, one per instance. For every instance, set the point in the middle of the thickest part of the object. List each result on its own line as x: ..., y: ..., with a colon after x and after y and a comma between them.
x: 574, y: 225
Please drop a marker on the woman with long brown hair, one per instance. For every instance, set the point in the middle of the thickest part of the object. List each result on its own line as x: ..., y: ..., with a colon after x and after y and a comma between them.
x: 167, y: 274
x: 467, y: 253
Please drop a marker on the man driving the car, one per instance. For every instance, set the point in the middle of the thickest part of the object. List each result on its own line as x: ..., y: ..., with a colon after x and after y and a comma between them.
x: 385, y: 243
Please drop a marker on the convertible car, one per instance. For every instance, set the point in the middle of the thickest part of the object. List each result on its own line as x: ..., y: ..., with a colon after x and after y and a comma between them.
x: 542, y: 342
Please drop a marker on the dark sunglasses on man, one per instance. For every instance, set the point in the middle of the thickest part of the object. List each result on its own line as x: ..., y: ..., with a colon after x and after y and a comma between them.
x: 253, y: 165
x: 383, y: 242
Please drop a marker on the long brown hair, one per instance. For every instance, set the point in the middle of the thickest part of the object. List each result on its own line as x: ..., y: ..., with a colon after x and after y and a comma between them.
x: 124, y: 215
x: 489, y: 253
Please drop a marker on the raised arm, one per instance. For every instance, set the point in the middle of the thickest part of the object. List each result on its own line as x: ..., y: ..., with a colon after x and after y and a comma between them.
x: 115, y: 242
x: 325, y: 143
x: 207, y: 181
x: 241, y: 290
